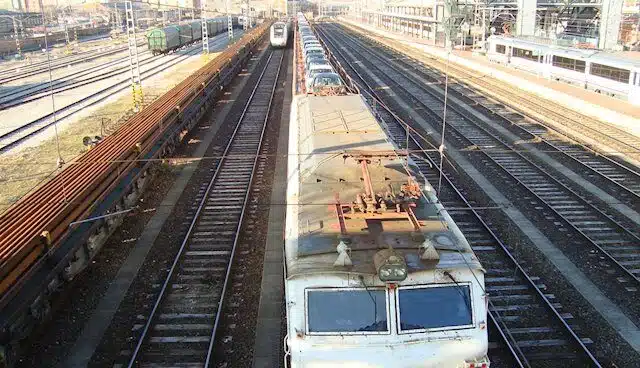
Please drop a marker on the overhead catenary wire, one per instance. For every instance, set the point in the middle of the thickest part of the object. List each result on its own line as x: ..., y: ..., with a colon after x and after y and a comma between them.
x: 60, y: 160
x: 444, y: 121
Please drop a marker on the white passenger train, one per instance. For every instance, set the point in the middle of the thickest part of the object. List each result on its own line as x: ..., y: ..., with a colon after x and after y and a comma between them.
x: 279, y: 34
x: 377, y: 273
x: 594, y: 70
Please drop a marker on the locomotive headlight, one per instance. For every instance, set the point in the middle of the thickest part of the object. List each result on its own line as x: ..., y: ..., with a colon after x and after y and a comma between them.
x: 391, y: 266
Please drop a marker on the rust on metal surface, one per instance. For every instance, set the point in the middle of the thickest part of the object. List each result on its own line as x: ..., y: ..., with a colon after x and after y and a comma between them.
x: 75, y: 192
x: 340, y: 214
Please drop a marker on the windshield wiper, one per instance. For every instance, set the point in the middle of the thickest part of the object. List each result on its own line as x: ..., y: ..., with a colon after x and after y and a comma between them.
x: 375, y: 305
x: 374, y: 326
x: 462, y: 293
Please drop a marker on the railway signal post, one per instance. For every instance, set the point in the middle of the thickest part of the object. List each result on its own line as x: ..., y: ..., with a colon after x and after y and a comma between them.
x: 16, y: 32
x: 229, y: 20
x: 134, y: 63
x: 205, y: 34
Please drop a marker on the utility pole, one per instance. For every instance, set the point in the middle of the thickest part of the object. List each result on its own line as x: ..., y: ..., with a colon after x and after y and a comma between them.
x: 66, y: 27
x: 134, y: 64
x: 66, y: 33
x: 118, y: 20
x: 17, y: 36
x: 115, y: 12
x: 245, y: 11
x: 205, y: 34
x: 164, y: 16
x: 229, y: 20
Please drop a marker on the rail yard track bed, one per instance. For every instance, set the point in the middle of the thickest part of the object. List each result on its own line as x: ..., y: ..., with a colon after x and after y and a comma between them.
x: 153, y: 146
x: 240, y: 318
x: 235, y: 335
x: 72, y: 104
x: 604, y: 137
x: 75, y: 305
x: 41, y: 153
x: 519, y: 219
x: 94, y: 284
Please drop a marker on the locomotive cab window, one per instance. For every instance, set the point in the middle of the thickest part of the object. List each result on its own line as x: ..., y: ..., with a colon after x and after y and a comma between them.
x: 610, y: 72
x: 434, y: 308
x: 347, y: 311
x: 501, y: 49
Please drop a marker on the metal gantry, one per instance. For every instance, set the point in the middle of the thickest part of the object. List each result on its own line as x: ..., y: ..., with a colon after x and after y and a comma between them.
x: 229, y: 20
x: 246, y: 9
x: 205, y: 34
x: 134, y: 64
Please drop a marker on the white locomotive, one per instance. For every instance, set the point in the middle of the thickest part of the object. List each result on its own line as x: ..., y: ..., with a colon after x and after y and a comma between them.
x: 594, y: 70
x: 279, y: 34
x: 377, y: 273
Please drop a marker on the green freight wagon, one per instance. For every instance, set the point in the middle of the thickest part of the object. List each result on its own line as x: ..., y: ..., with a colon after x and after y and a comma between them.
x: 185, y: 33
x: 212, y: 27
x: 196, y: 31
x: 163, y: 40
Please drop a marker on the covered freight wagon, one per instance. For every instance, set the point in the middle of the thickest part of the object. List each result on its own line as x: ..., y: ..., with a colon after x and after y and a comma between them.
x: 185, y: 33
x: 196, y: 30
x: 163, y: 40
x: 213, y: 27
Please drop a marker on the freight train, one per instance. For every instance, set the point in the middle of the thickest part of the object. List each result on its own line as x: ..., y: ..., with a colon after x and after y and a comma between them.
x: 8, y: 45
x: 173, y: 37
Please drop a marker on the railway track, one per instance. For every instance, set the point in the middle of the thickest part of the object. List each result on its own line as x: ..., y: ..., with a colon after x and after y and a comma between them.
x: 23, y: 94
x: 586, y: 228
x: 182, y: 325
x: 100, y: 182
x: 16, y: 136
x: 547, y: 112
x: 17, y: 73
x: 617, y: 178
x: 531, y: 327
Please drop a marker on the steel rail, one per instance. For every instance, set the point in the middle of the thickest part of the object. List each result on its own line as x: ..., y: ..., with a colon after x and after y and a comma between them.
x: 29, y: 90
x: 72, y: 194
x: 15, y: 97
x: 59, y: 64
x: 476, y: 140
x: 63, y: 59
x: 504, y: 330
x: 41, y: 90
x: 133, y: 361
x: 41, y: 124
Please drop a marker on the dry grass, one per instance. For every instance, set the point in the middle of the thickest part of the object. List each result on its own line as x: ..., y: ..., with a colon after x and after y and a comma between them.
x: 26, y: 169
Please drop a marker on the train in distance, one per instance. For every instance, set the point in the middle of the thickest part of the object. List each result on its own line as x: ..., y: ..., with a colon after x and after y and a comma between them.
x: 614, y: 74
x: 279, y: 34
x: 170, y: 38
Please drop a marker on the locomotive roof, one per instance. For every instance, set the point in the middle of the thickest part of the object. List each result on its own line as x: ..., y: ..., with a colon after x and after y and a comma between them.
x: 334, y: 132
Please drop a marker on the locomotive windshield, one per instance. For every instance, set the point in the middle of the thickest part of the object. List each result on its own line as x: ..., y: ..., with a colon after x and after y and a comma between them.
x: 278, y: 29
x: 434, y: 308
x: 332, y: 311
x: 417, y: 309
